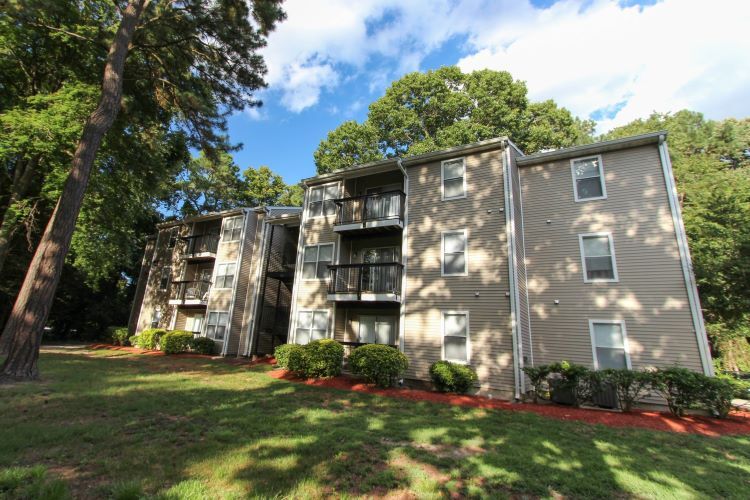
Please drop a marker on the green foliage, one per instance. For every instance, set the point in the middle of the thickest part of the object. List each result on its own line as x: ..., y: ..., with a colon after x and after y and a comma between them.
x: 282, y: 353
x: 31, y: 482
x: 202, y: 345
x: 424, y: 112
x: 716, y: 395
x: 176, y: 341
x: 323, y: 358
x: 538, y: 377
x: 149, y: 338
x: 680, y: 387
x: 297, y: 360
x: 452, y: 377
x: 379, y: 364
x: 133, y: 340
x: 118, y: 334
x: 630, y: 385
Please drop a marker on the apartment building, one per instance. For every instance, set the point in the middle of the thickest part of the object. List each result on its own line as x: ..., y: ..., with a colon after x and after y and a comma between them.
x: 227, y: 276
x: 481, y: 255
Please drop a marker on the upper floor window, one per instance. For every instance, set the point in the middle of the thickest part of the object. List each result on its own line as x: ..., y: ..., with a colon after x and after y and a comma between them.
x: 224, y: 275
x: 609, y: 344
x: 311, y: 325
x: 172, y: 238
x: 453, y: 175
x: 315, y: 261
x: 598, y: 257
x: 454, y: 253
x: 216, y: 326
x: 165, y: 278
x: 456, y: 336
x: 232, y: 229
x: 588, y: 178
x: 321, y: 200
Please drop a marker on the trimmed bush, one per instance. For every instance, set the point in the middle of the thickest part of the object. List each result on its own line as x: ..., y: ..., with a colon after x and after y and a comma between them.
x: 149, y: 338
x: 323, y: 358
x: 118, y: 334
x: 629, y: 385
x: 176, y: 341
x: 716, y: 394
x: 133, y: 339
x: 378, y: 364
x: 452, y: 377
x: 680, y: 387
x: 570, y: 386
x: 281, y: 353
x: 538, y: 377
x: 296, y: 361
x: 202, y: 345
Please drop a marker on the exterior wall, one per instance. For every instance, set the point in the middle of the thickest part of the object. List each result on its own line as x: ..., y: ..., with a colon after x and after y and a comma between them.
x: 482, y: 292
x: 140, y: 291
x: 651, y: 295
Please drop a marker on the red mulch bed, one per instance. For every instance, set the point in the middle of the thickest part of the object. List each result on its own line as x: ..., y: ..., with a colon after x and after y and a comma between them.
x: 736, y: 423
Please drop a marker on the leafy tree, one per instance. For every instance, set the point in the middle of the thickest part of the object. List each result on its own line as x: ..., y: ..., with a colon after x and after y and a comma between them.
x: 191, y: 63
x: 711, y: 162
x: 261, y: 186
x: 423, y: 112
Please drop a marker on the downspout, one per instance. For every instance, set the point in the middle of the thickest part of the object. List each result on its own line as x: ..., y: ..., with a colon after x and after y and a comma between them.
x: 256, y: 289
x: 687, y: 267
x: 513, y: 288
x: 404, y: 248
x: 291, y: 336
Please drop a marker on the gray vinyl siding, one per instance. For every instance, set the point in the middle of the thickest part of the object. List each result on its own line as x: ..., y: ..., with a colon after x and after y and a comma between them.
x: 650, y: 296
x: 429, y: 294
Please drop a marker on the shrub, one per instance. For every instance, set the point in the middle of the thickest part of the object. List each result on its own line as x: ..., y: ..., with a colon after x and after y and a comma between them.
x: 282, y: 352
x: 202, y: 345
x: 118, y: 334
x: 716, y: 394
x: 452, y: 377
x: 323, y: 358
x: 378, y: 364
x: 629, y: 385
x: 571, y: 385
x: 133, y: 339
x: 680, y: 387
x: 176, y: 341
x: 149, y: 338
x: 538, y: 377
x: 297, y: 360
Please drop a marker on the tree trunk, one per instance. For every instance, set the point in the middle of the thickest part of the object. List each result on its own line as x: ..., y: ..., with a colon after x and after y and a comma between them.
x: 31, y: 309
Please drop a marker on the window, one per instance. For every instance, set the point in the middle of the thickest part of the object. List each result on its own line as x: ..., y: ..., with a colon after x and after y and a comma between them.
x: 315, y: 261
x: 588, y: 178
x: 232, y: 229
x: 216, y: 326
x: 172, y: 238
x: 454, y: 253
x: 224, y: 276
x: 377, y: 330
x: 609, y: 344
x: 194, y: 323
x: 321, y: 200
x: 598, y: 257
x: 156, y: 318
x: 311, y: 325
x: 165, y: 278
x: 456, y: 336
x: 453, y: 178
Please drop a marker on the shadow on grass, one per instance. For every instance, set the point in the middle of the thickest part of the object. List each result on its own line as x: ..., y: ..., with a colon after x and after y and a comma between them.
x: 164, y: 421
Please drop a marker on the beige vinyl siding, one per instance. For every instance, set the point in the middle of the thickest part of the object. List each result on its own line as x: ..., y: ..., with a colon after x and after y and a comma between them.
x: 243, y: 281
x: 650, y: 296
x: 523, y: 320
x: 153, y: 296
x: 429, y: 294
x: 140, y: 292
x: 254, y: 254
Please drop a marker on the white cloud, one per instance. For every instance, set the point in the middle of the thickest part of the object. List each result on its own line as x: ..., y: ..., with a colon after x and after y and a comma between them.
x: 587, y: 55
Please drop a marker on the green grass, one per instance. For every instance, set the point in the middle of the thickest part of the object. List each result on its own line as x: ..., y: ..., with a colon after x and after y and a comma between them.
x: 114, y: 425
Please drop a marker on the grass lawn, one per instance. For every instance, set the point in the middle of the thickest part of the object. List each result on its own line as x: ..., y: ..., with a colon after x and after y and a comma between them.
x: 111, y: 424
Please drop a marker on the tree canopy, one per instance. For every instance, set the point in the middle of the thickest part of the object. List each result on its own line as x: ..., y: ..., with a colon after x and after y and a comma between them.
x: 423, y: 112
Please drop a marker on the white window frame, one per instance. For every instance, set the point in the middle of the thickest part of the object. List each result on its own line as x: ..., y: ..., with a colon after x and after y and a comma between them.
x: 224, y: 224
x: 313, y: 311
x: 168, y: 270
x: 217, y: 274
x: 625, y: 344
x: 616, y: 277
x: 323, y: 199
x: 207, y: 321
x: 601, y: 178
x: 156, y: 317
x: 466, y: 252
x: 468, y: 337
x: 317, y: 260
x: 442, y: 179
x: 389, y: 319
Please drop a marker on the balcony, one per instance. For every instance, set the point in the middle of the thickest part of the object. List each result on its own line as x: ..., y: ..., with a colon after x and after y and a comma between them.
x: 201, y: 247
x: 365, y: 282
x: 370, y: 213
x: 190, y: 293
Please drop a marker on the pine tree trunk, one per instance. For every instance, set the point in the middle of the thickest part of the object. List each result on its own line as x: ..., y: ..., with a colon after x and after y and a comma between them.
x: 31, y: 309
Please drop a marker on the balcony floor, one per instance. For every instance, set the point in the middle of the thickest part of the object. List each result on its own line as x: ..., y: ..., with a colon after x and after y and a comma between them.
x: 372, y: 226
x: 364, y: 297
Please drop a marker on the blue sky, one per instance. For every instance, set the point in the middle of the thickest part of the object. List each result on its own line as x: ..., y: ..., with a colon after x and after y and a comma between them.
x: 612, y: 61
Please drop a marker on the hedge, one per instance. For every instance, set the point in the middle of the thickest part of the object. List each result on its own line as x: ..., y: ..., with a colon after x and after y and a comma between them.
x: 149, y: 338
x: 118, y: 334
x: 318, y: 359
x: 282, y: 353
x: 176, y: 341
x: 452, y: 377
x: 202, y: 345
x: 379, y: 364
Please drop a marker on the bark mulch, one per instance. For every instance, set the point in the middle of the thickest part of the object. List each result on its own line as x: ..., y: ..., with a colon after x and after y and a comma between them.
x: 736, y: 423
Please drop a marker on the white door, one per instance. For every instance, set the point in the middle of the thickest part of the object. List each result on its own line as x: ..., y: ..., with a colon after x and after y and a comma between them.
x: 377, y: 329
x: 195, y: 323
x: 379, y: 279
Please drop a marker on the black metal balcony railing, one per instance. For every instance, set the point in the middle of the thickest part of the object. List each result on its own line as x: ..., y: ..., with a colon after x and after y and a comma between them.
x: 191, y: 290
x: 372, y: 207
x: 365, y: 278
x: 202, y: 243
